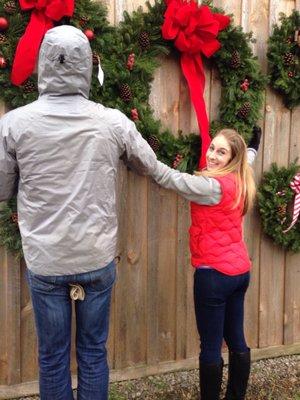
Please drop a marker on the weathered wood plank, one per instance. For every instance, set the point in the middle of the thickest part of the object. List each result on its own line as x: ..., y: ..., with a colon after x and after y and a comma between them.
x: 136, y: 270
x: 276, y: 148
x: 29, y: 364
x: 164, y: 97
x: 153, y: 303
x: 183, y: 266
x: 11, y: 277
x: 292, y: 267
x: 167, y: 264
x: 255, y: 19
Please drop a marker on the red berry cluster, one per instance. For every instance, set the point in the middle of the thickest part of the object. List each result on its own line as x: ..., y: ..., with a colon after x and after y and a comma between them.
x: 177, y: 160
x: 14, y: 218
x: 245, y: 85
x: 130, y: 61
x: 3, y: 62
x: 134, y: 114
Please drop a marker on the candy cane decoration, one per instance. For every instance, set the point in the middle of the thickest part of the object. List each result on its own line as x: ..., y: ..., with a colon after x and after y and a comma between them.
x: 295, y: 185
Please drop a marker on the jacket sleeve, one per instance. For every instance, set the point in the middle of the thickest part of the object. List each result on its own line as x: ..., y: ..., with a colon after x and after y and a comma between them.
x: 9, y: 172
x: 199, y: 189
x: 137, y: 153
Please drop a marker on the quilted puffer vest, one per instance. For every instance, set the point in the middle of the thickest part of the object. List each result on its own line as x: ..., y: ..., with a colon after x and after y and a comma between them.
x: 216, y: 236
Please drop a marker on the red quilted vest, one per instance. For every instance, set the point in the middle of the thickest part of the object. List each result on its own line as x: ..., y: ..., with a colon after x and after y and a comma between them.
x: 216, y: 236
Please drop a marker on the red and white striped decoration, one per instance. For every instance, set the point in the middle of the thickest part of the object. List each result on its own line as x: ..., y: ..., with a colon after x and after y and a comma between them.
x: 295, y: 185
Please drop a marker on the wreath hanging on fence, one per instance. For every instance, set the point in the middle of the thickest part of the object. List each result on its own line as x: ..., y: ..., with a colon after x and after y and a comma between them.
x: 284, y: 59
x: 279, y: 205
x: 129, y: 56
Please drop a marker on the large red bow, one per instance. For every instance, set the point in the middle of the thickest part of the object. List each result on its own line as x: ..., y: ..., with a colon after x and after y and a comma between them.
x: 195, y: 30
x: 42, y: 17
x: 295, y: 185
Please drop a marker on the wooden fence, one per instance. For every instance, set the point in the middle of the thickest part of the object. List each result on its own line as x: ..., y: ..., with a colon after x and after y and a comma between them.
x: 152, y: 322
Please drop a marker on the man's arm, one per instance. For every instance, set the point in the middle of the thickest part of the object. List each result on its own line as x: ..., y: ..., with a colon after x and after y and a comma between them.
x: 138, y: 154
x: 9, y: 172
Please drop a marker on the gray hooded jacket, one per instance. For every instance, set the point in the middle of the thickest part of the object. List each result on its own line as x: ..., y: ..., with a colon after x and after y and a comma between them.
x: 63, y: 151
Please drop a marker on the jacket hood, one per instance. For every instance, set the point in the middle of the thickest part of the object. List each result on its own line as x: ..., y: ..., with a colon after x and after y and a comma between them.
x: 65, y: 62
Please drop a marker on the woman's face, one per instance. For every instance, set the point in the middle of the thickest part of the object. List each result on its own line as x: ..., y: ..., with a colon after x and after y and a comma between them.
x: 218, y: 154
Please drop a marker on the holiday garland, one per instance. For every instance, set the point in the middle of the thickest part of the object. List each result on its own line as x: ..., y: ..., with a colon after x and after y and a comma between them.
x: 284, y: 59
x: 129, y: 56
x: 275, y: 198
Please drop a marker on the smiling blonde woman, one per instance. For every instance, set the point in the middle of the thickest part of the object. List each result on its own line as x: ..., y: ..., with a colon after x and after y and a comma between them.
x: 221, y: 194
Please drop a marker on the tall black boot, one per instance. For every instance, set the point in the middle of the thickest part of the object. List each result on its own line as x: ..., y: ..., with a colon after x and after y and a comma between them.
x: 210, y: 381
x: 238, y: 375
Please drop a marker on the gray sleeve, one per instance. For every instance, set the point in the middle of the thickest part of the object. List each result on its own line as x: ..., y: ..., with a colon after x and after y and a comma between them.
x: 199, y: 189
x: 8, y: 164
x: 138, y: 154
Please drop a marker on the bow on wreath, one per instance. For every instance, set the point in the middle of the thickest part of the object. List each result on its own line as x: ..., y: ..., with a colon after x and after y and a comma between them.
x: 195, y: 30
x: 295, y: 185
x: 44, y: 12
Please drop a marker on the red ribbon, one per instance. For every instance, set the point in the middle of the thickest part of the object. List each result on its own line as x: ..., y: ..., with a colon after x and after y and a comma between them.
x: 295, y: 185
x: 195, y: 30
x: 44, y: 12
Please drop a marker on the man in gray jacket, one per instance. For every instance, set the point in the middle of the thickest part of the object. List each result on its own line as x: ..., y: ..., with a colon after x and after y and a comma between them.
x: 62, y: 151
x: 60, y: 154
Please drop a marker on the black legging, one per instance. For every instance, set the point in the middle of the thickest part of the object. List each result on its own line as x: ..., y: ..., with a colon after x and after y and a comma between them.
x: 219, y: 308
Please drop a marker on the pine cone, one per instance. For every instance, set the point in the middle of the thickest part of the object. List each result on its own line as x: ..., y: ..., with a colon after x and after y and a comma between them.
x: 281, y: 209
x: 244, y: 110
x: 177, y: 160
x: 95, y: 58
x: 144, y: 40
x: 10, y: 7
x: 83, y: 21
x: 2, y: 38
x: 29, y: 87
x: 14, y: 218
x: 125, y: 92
x: 154, y: 143
x: 288, y: 59
x: 235, y: 61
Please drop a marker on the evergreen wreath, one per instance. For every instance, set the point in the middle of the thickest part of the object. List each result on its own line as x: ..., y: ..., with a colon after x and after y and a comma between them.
x: 274, y: 198
x: 284, y: 59
x: 129, y: 56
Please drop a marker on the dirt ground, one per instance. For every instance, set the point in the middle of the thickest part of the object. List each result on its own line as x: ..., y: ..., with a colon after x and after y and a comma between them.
x: 273, y: 379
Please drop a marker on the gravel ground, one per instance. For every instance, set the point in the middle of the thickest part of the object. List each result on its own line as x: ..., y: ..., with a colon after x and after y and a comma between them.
x: 273, y: 379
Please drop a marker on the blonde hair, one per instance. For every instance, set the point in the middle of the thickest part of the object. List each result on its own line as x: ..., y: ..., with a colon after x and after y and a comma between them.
x: 238, y: 164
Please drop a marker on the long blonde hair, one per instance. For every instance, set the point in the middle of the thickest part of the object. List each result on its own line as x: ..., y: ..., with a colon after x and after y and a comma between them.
x: 238, y: 164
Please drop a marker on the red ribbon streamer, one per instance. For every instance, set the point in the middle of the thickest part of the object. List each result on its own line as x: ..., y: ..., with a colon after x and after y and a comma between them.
x: 44, y: 12
x: 295, y: 185
x: 195, y: 30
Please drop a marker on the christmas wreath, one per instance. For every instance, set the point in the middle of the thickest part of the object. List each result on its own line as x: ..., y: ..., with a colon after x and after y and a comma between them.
x: 129, y: 55
x: 279, y: 205
x: 284, y: 59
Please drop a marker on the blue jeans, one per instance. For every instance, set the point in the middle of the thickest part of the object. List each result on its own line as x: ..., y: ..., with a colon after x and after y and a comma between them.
x: 219, y: 308
x: 53, y: 310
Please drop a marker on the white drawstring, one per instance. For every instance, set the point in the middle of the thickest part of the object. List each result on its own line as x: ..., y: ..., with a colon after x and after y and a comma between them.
x: 100, y: 72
